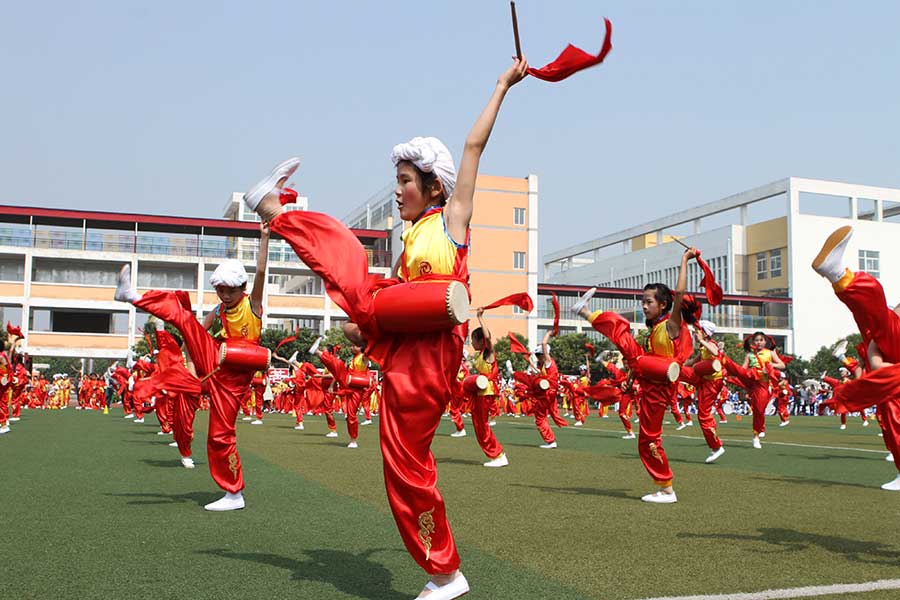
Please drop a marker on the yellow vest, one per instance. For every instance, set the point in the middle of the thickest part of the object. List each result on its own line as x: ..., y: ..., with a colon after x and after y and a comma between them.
x: 485, y: 368
x: 660, y: 342
x: 240, y: 322
x: 427, y: 248
x: 707, y: 355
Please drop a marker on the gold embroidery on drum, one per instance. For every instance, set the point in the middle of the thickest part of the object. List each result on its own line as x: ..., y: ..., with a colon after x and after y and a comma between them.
x: 654, y: 451
x: 233, y: 464
x: 426, y: 528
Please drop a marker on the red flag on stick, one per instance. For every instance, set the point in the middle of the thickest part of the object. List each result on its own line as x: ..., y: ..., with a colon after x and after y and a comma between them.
x: 555, y: 302
x: 516, y: 346
x: 573, y: 59
x: 288, y: 339
x: 708, y: 283
x: 521, y: 299
x: 590, y: 349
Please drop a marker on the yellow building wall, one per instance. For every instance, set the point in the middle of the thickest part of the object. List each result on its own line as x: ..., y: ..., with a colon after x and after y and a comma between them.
x: 193, y: 295
x: 12, y: 289
x: 765, y: 237
x: 70, y: 292
x: 295, y: 301
x: 68, y: 340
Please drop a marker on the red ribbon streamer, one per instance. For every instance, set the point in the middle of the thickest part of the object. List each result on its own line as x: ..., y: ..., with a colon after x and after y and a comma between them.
x: 708, y: 283
x: 16, y: 331
x: 516, y: 346
x: 555, y: 303
x: 573, y: 59
x: 590, y: 349
x: 521, y: 299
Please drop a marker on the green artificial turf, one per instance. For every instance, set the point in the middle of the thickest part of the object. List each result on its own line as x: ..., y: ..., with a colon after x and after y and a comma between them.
x: 96, y: 506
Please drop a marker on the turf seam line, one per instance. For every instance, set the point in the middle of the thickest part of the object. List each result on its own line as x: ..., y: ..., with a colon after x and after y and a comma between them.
x: 801, y: 592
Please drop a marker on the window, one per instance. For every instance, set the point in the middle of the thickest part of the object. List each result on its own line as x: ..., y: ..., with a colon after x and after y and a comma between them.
x: 518, y: 260
x: 167, y: 276
x: 12, y: 268
x: 775, y: 263
x: 870, y: 262
x: 79, y: 272
x: 517, y: 310
x: 519, y: 216
x: 761, y: 272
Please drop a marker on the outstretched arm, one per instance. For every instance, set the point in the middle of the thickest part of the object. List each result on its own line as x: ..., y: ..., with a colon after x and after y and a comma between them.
x: 458, y: 212
x: 488, y: 341
x: 259, y: 280
x: 673, y: 325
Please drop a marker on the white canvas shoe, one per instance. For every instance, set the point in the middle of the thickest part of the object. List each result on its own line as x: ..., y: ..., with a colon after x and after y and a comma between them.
x: 141, y: 420
x: 892, y: 486
x: 284, y: 170
x: 228, y: 502
x: 14, y: 419
x: 4, y: 429
x: 690, y: 423
x: 680, y: 427
x: 843, y: 426
x: 784, y: 423
x: 187, y: 462
x: 460, y: 433
x: 353, y: 444
x: 247, y: 419
x: 161, y: 433
x: 865, y: 423
x: 331, y: 434
x: 889, y: 457
x: 492, y: 423
x: 500, y: 461
x: 124, y: 291
x: 299, y: 426
x: 583, y: 301
x: 173, y: 445
x: 660, y: 498
x: 756, y: 443
x: 256, y: 422
x: 456, y: 588
x: 713, y: 456
x: 762, y: 434
x: 829, y: 262
x: 366, y: 422
x: 129, y: 416
x: 628, y: 436
x: 549, y: 446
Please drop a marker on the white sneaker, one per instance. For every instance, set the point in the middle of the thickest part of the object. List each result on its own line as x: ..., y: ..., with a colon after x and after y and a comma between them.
x: 492, y: 423
x: 843, y: 426
x: 4, y: 429
x: 247, y: 419
x: 253, y: 197
x: 762, y: 434
x: 756, y: 443
x: 500, y: 461
x: 865, y: 423
x: 299, y: 426
x: 583, y: 301
x: 690, y: 423
x: 124, y: 291
x: 460, y: 433
x: 723, y: 420
x: 15, y: 419
x: 784, y: 423
x: 129, y: 416
x: 892, y: 486
x: 256, y: 422
x: 829, y: 262
x: 456, y: 588
x: 548, y: 446
x: 889, y: 457
x: 353, y: 444
x: 660, y: 498
x: 577, y: 424
x: 161, y: 433
x: 628, y: 436
x: 141, y: 420
x: 715, y: 455
x: 188, y: 463
x: 366, y: 422
x: 680, y: 427
x: 173, y: 445
x: 228, y: 502
x: 331, y: 434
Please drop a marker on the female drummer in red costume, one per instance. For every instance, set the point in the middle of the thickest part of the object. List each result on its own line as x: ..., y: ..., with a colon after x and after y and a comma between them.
x: 486, y: 364
x: 241, y: 320
x: 419, y: 367
x: 708, y: 388
x: 669, y: 337
x: 754, y: 375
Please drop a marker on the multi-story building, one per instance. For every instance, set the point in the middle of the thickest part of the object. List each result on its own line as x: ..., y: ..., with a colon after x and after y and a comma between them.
x: 58, y: 271
x: 759, y: 244
x: 503, y: 253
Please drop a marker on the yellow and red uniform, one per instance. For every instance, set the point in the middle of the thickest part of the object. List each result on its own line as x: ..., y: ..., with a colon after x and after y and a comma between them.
x: 708, y: 389
x: 481, y: 406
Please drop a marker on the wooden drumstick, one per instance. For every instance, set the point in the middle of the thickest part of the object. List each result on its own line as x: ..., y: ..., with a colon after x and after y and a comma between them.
x: 210, y: 374
x: 515, y: 24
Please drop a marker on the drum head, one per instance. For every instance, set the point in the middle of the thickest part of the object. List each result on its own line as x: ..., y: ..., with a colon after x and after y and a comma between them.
x: 717, y: 365
x: 728, y: 408
x: 673, y: 371
x: 457, y: 302
x: 481, y: 382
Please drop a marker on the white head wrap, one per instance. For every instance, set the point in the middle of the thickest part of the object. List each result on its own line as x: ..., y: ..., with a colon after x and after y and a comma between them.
x: 430, y: 155
x: 708, y: 327
x: 539, y: 349
x: 230, y: 273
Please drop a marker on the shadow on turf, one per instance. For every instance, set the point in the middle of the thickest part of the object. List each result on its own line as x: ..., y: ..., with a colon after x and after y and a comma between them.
x: 580, y: 491
x: 198, y: 498
x: 789, y: 540
x: 162, y: 463
x: 816, y: 482
x: 353, y: 574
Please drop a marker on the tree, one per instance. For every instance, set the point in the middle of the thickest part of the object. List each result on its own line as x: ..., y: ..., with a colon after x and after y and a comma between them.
x: 569, y: 353
x: 501, y: 347
x: 141, y: 347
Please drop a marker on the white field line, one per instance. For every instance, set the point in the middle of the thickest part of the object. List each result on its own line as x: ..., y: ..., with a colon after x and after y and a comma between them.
x: 765, y: 442
x: 801, y: 592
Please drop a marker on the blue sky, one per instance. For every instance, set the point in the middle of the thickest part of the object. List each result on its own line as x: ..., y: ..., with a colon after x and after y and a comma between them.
x: 168, y: 107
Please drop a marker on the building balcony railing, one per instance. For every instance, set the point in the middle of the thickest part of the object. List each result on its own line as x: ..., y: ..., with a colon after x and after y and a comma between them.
x: 733, y: 321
